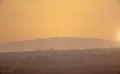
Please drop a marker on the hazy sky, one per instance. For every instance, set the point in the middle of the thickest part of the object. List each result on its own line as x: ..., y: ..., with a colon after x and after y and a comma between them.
x: 29, y: 19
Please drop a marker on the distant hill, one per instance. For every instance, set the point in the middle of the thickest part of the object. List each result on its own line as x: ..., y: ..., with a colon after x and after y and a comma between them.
x: 57, y: 43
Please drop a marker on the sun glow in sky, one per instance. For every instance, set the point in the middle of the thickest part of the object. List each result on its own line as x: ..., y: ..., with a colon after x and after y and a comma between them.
x: 118, y: 37
x: 29, y: 19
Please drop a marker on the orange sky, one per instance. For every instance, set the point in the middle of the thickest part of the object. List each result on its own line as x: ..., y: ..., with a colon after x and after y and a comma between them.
x: 29, y: 19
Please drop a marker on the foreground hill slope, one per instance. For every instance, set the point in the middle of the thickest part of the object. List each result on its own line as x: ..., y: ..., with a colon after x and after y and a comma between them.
x: 94, y: 61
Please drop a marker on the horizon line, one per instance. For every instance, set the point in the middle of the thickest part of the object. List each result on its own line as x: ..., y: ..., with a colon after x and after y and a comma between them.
x: 56, y: 38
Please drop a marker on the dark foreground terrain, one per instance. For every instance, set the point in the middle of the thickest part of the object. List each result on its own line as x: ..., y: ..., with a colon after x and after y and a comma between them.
x: 92, y: 61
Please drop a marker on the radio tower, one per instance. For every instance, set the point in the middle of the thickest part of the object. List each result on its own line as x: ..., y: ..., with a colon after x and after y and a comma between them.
x: 56, y: 33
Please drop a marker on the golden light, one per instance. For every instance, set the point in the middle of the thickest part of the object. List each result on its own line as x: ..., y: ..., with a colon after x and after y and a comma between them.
x: 118, y: 37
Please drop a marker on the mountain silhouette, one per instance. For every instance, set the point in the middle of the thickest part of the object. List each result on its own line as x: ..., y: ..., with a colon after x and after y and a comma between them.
x: 60, y: 43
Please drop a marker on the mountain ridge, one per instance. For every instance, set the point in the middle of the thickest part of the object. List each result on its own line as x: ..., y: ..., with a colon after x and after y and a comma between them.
x: 57, y: 43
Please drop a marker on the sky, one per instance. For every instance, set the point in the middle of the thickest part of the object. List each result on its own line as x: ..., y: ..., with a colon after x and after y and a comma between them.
x: 30, y: 19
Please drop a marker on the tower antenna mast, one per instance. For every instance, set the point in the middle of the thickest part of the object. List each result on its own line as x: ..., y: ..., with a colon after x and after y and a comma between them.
x: 57, y: 32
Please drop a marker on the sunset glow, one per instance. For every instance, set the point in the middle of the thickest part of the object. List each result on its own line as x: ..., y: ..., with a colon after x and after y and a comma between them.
x: 30, y: 19
x: 118, y: 37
